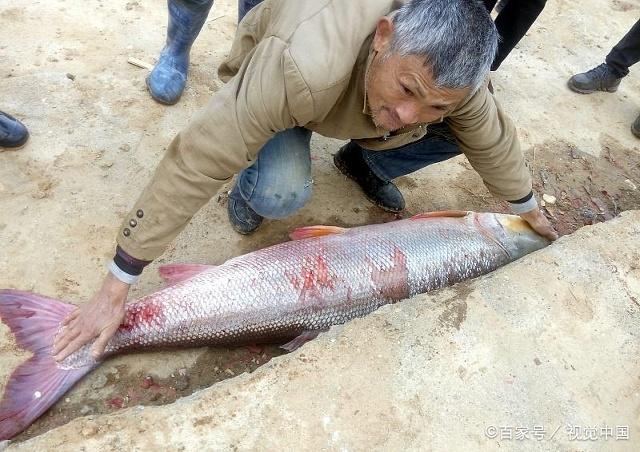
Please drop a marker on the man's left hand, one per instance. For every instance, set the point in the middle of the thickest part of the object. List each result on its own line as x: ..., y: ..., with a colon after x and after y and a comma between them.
x: 539, y: 223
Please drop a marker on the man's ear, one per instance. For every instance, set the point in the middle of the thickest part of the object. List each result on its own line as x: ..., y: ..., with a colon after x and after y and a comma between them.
x: 384, y: 34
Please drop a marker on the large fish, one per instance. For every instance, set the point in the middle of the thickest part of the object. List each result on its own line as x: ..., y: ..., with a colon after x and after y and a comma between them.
x: 324, y: 276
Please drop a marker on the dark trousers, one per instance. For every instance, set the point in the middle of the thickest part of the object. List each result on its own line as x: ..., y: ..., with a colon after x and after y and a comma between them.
x: 512, y: 23
x: 244, y: 6
x: 626, y: 53
x: 437, y: 145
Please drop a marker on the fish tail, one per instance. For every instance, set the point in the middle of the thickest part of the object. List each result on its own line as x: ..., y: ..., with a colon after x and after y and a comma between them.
x: 38, y: 382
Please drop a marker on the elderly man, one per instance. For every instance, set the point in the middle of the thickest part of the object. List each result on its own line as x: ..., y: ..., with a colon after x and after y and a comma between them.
x: 399, y: 80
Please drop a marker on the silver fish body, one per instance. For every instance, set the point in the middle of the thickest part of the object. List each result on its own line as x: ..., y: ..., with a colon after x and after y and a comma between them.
x: 310, y: 284
x: 292, y: 289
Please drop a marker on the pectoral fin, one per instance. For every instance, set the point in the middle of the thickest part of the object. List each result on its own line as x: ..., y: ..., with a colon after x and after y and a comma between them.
x: 300, y: 340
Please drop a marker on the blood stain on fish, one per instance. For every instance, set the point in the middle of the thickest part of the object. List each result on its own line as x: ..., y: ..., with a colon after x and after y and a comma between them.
x: 392, y: 282
x: 145, y: 314
x: 315, y: 277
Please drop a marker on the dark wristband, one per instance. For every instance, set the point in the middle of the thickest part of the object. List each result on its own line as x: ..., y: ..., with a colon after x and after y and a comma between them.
x: 523, y: 200
x: 129, y: 264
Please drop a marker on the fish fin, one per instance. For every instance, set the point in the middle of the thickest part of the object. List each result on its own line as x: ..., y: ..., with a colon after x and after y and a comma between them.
x: 315, y: 231
x: 441, y: 213
x: 39, y: 382
x: 300, y: 340
x: 174, y: 273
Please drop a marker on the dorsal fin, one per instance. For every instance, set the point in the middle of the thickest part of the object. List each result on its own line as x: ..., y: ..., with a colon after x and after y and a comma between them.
x: 174, y: 273
x: 315, y: 231
x: 441, y: 213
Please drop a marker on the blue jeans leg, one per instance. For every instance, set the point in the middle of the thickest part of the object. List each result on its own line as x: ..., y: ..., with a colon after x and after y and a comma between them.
x: 437, y: 145
x: 244, y: 6
x: 279, y: 182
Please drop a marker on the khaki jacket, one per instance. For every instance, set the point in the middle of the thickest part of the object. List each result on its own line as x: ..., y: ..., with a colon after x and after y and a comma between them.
x: 300, y: 63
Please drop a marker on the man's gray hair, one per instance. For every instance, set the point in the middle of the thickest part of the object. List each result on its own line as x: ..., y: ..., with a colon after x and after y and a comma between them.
x: 457, y: 39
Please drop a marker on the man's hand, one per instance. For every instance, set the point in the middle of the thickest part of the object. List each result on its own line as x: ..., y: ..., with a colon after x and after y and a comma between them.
x: 99, y: 318
x: 539, y: 223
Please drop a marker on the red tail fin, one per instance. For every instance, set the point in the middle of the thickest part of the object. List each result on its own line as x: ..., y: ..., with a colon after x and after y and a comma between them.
x: 39, y: 382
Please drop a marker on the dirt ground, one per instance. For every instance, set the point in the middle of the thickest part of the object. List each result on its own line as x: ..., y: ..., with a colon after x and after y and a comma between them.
x: 96, y: 136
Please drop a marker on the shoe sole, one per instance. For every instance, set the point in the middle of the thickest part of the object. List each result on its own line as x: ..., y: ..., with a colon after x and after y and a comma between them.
x: 160, y: 101
x: 344, y: 171
x: 235, y: 227
x: 575, y: 89
x: 243, y: 232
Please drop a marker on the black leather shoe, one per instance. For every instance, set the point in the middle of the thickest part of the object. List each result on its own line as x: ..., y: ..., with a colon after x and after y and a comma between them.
x: 244, y: 220
x: 600, y: 78
x: 635, y: 127
x: 382, y: 193
x: 13, y: 133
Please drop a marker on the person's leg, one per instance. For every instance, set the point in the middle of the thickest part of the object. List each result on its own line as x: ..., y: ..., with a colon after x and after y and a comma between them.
x: 276, y: 185
x: 13, y: 133
x: 437, y: 145
x: 607, y: 76
x: 373, y: 171
x: 626, y: 53
x: 244, y: 6
x: 169, y: 77
x: 489, y: 4
x: 500, y: 5
x: 513, y: 21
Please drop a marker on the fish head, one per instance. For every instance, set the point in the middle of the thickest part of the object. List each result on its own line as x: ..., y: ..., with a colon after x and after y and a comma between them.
x: 513, y: 233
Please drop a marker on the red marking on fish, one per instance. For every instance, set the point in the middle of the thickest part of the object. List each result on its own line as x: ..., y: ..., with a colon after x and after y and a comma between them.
x: 143, y: 314
x: 314, y: 279
x: 392, y: 282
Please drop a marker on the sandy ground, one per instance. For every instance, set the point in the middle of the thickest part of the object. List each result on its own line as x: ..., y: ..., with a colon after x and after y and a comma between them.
x: 96, y: 136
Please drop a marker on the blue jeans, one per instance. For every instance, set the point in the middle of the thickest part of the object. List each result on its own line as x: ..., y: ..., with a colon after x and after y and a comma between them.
x: 244, y: 6
x: 279, y: 182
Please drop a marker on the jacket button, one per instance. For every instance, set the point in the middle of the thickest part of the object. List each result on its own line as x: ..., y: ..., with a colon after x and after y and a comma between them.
x: 140, y: 213
x: 126, y: 232
x: 133, y: 223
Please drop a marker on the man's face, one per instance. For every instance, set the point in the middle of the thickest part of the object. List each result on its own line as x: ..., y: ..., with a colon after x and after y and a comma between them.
x: 401, y: 90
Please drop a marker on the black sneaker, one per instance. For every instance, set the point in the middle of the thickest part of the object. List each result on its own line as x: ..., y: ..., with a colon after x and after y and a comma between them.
x: 244, y: 220
x: 600, y: 78
x: 382, y: 193
x: 13, y: 133
x: 635, y: 127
